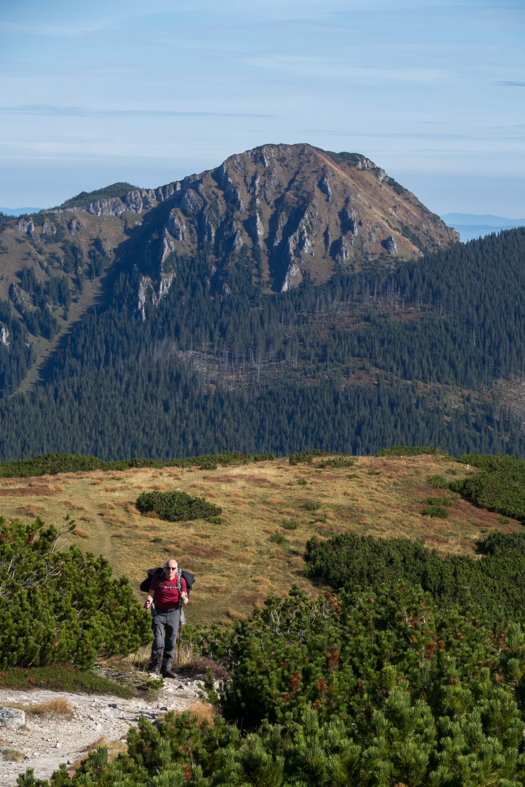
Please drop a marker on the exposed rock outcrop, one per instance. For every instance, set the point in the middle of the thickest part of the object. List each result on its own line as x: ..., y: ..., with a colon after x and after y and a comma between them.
x: 25, y: 226
x: 4, y: 335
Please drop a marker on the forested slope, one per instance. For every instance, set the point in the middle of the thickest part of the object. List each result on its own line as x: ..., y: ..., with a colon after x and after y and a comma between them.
x: 367, y: 359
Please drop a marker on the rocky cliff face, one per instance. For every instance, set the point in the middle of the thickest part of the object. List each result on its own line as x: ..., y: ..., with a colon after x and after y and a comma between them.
x: 287, y: 212
x: 303, y: 211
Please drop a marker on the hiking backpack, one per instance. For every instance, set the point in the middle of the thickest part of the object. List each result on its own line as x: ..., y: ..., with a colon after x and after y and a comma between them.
x: 186, y: 575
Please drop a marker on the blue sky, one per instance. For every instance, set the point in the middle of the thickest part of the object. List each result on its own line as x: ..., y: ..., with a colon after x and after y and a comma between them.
x: 149, y: 92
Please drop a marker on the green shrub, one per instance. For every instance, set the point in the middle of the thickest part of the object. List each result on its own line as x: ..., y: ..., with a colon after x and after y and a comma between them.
x: 61, y: 605
x: 374, y: 472
x: 215, y: 520
x: 263, y: 457
x: 277, y: 538
x: 438, y: 512
x: 503, y: 520
x: 338, y: 462
x: 438, y: 482
x: 177, y: 506
x: 291, y: 524
x: 61, y: 677
x: 311, y: 506
x: 306, y: 456
x: 496, y: 581
x: 438, y: 501
x: 405, y: 450
x: 302, y: 481
x: 51, y: 464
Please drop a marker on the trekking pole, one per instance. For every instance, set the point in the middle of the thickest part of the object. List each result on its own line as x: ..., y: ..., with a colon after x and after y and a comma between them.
x: 178, y: 648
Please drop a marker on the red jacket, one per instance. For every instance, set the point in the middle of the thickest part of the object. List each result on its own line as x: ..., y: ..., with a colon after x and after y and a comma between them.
x: 164, y: 592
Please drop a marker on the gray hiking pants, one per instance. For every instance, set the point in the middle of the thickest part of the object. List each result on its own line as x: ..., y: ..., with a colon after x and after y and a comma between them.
x: 164, y: 624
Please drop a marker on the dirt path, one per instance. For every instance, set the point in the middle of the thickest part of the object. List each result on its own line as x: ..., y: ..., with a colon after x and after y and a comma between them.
x: 52, y: 739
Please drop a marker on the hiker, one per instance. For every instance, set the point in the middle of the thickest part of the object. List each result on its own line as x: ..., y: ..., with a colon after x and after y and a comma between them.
x: 166, y: 590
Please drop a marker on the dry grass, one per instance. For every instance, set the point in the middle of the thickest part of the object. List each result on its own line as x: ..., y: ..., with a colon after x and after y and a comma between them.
x: 58, y: 707
x: 27, y: 491
x: 203, y: 711
x: 234, y: 614
x: 236, y: 566
x: 12, y: 755
x: 81, y: 533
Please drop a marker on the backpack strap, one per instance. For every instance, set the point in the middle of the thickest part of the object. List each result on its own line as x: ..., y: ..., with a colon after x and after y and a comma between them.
x: 179, y: 578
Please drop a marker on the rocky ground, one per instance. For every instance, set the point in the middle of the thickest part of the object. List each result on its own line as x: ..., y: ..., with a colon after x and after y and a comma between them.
x: 49, y: 739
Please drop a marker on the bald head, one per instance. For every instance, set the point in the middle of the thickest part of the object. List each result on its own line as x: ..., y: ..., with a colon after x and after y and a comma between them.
x: 170, y: 568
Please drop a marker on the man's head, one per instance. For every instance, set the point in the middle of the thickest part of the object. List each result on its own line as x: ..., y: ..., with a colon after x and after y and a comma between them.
x: 170, y: 568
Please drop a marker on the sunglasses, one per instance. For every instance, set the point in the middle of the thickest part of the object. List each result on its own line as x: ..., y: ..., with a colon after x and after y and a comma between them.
x: 171, y: 569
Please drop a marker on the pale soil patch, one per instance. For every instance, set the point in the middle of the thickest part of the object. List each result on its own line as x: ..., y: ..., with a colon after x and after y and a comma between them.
x: 63, y: 727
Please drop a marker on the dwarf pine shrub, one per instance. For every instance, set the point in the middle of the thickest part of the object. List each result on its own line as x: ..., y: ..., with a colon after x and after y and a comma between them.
x: 176, y: 506
x: 61, y: 605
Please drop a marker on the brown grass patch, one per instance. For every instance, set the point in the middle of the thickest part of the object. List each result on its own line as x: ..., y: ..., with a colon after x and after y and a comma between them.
x: 152, y: 515
x: 10, y: 481
x: 200, y: 551
x: 240, y: 558
x: 59, y: 706
x: 220, y: 479
x: 251, y: 479
x: 158, y: 487
x: 234, y: 614
x: 240, y: 502
x: 253, y: 599
x: 171, y: 548
x: 96, y: 483
x: 86, y: 518
x: 214, y: 589
x: 28, y: 491
x: 107, y: 506
x: 195, y: 486
x: 210, y: 494
x: 29, y: 510
x: 269, y: 531
x: 275, y: 501
x: 118, y: 535
x: 188, y: 562
x: 203, y: 711
x: 228, y: 574
x: 79, y: 507
x: 81, y: 533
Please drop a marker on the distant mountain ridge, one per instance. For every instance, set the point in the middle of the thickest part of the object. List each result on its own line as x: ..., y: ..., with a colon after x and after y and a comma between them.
x: 471, y: 226
x: 18, y: 211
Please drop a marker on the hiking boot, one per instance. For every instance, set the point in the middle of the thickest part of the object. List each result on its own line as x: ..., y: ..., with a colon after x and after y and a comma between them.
x: 167, y: 673
x: 154, y: 669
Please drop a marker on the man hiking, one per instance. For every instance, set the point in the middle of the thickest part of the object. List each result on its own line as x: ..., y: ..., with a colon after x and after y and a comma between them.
x: 168, y: 591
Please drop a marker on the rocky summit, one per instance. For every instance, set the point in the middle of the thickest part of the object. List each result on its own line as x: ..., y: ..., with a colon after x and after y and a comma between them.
x: 298, y: 211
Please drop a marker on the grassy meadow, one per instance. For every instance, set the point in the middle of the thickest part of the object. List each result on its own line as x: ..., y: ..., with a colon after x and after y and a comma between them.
x: 239, y: 562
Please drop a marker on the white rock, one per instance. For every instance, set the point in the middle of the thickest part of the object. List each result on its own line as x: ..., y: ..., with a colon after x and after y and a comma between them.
x: 12, y: 717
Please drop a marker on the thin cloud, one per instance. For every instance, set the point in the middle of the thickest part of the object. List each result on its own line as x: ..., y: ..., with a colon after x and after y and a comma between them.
x: 327, y: 67
x: 80, y: 112
x: 509, y: 83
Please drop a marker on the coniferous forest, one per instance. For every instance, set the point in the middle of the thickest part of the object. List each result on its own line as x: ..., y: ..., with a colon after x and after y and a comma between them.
x: 367, y: 359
